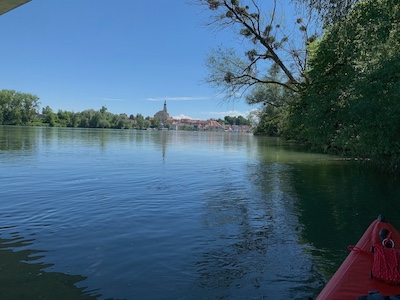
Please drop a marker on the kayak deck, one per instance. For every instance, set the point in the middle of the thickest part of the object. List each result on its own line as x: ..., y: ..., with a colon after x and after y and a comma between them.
x: 353, y: 278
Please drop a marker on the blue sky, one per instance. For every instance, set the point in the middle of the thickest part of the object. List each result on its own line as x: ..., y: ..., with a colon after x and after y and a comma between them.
x: 128, y: 55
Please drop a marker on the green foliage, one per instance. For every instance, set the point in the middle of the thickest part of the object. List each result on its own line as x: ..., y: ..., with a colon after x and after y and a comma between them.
x: 265, y: 43
x: 17, y: 108
x: 64, y: 118
x: 146, y: 123
x: 48, y: 116
x: 155, y: 123
x: 140, y: 122
x: 240, y: 120
x: 275, y: 100
x: 221, y: 121
x: 86, y: 119
x: 350, y: 103
x: 329, y: 11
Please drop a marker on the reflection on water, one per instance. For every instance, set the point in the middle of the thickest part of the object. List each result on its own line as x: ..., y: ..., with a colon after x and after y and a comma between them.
x: 319, y: 205
x: 254, y: 248
x: 23, y: 275
x: 29, y: 140
x: 337, y: 202
x: 177, y: 215
x: 15, y: 142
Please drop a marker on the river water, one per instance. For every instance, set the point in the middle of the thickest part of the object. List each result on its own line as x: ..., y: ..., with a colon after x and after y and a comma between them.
x: 124, y: 214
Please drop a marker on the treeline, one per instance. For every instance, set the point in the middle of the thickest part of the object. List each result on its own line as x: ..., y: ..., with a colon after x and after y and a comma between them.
x: 91, y: 118
x: 18, y: 108
x: 234, y: 120
x: 23, y: 109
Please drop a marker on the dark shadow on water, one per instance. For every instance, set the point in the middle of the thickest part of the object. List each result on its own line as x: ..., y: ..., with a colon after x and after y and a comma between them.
x: 334, y: 200
x: 284, y: 230
x: 256, y: 252
x: 336, y: 203
x: 23, y: 276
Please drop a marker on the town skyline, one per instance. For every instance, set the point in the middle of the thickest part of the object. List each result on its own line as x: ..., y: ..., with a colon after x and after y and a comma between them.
x: 166, y: 121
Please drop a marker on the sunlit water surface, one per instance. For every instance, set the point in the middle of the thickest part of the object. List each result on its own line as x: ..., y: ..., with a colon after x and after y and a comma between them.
x: 122, y: 214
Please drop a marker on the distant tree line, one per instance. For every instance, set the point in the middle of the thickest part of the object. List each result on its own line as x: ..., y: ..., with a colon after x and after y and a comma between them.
x: 18, y: 108
x: 89, y: 118
x: 240, y: 120
x: 23, y: 109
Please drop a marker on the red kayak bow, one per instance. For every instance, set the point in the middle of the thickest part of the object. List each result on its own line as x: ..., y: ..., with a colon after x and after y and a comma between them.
x: 372, y: 265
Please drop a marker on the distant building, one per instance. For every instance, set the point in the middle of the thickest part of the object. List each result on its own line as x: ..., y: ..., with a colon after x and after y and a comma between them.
x: 198, y: 125
x: 162, y: 115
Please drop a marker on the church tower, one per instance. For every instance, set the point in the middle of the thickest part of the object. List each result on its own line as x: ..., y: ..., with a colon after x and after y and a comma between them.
x: 162, y: 115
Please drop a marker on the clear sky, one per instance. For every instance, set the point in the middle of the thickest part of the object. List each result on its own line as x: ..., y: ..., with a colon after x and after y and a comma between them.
x: 128, y: 55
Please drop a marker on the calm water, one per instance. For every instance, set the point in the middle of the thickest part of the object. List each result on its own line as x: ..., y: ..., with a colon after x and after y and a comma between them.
x: 121, y: 214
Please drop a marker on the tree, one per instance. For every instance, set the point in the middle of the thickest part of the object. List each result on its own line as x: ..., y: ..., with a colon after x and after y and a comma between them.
x: 229, y: 120
x: 275, y: 101
x: 350, y: 103
x: 17, y: 108
x: 30, y: 106
x: 64, y: 118
x: 121, y: 121
x: 219, y: 120
x: 146, y: 123
x: 329, y: 11
x: 139, y: 121
x: 267, y: 44
x: 273, y: 62
x: 103, y: 110
x: 75, y: 119
x: 85, y: 118
x: 155, y: 123
x: 242, y: 121
x: 49, y: 116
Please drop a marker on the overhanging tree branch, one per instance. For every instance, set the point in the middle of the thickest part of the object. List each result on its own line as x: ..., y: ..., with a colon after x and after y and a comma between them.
x: 251, y: 23
x: 270, y: 43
